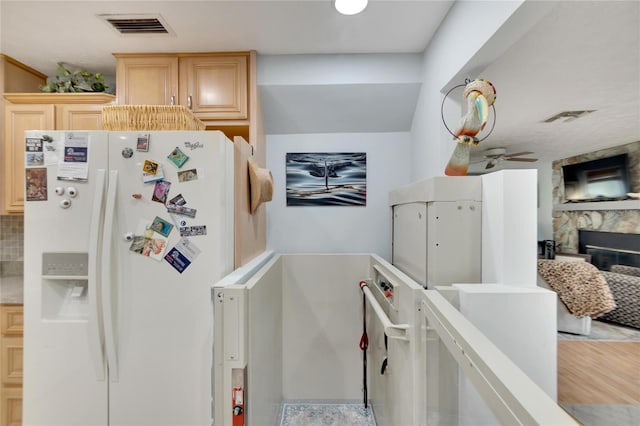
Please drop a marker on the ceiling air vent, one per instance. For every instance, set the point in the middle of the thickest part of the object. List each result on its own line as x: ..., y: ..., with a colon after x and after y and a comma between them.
x: 137, y: 24
x: 568, y: 116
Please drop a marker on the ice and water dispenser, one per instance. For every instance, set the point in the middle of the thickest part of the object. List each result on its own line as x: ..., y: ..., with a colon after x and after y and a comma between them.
x: 65, y: 279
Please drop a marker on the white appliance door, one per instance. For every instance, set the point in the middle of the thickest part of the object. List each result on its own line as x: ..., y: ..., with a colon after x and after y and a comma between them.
x: 159, y: 310
x: 64, y: 368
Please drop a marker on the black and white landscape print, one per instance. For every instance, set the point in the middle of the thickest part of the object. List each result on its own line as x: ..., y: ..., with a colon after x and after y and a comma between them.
x: 327, y: 179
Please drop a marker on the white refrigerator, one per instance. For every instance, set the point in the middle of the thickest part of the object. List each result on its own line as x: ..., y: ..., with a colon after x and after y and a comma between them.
x: 125, y: 232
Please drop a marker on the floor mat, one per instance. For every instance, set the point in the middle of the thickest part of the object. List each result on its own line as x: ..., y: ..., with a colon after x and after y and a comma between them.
x: 325, y: 414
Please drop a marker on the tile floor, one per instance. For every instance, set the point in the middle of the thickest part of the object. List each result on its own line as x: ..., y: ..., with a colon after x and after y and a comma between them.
x: 604, y: 414
x: 326, y: 413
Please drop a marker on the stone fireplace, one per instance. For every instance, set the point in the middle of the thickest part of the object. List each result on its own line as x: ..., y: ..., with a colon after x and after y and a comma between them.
x: 567, y: 222
x: 610, y: 248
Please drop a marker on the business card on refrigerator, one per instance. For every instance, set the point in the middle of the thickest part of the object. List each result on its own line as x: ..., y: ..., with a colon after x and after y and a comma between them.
x: 190, y: 231
x: 181, y: 210
x: 182, y: 254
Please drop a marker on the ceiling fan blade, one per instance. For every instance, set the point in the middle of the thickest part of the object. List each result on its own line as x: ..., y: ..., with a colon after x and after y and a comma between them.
x: 529, y: 160
x: 490, y: 164
x: 517, y: 154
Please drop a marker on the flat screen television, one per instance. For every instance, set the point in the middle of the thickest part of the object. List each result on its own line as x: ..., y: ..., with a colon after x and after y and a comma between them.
x: 604, y: 179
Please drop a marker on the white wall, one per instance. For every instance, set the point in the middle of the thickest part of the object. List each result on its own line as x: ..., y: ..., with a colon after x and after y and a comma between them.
x: 337, y: 229
x: 396, y: 158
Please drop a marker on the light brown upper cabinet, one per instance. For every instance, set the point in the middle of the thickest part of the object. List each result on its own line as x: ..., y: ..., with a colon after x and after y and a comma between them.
x: 146, y: 79
x: 41, y: 111
x: 14, y: 77
x: 220, y: 88
x: 214, y: 86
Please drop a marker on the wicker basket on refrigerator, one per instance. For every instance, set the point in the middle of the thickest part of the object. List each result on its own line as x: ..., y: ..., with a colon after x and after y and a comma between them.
x: 149, y: 117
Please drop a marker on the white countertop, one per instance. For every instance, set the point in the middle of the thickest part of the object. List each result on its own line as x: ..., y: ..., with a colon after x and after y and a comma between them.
x: 11, y: 290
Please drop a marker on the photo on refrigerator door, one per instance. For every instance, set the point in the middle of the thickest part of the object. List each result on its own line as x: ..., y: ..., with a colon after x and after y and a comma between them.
x: 149, y: 247
x: 161, y: 226
x: 160, y: 191
x: 187, y: 175
x: 326, y: 179
x: 36, y: 184
x: 142, y: 144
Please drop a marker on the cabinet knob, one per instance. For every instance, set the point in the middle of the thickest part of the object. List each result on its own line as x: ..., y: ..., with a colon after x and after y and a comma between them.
x: 189, y: 102
x: 172, y: 100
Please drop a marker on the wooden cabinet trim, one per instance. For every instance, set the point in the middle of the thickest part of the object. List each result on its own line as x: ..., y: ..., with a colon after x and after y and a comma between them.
x: 20, y: 65
x: 59, y: 98
x: 182, y: 54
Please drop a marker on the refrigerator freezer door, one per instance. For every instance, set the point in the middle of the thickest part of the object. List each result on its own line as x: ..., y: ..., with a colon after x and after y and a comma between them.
x: 161, y: 310
x: 61, y: 346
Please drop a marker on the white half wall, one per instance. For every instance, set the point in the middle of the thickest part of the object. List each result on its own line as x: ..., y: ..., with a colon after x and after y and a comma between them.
x: 509, y: 227
x: 333, y: 229
x: 521, y: 322
x: 322, y: 326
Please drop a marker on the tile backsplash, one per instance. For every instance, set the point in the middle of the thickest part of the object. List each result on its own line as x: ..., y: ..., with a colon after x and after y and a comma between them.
x: 11, y: 245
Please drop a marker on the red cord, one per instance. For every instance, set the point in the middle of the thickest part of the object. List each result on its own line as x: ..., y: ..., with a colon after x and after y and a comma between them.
x: 364, y: 342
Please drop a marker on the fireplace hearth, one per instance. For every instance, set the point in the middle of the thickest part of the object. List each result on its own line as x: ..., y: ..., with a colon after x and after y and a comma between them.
x: 610, y: 248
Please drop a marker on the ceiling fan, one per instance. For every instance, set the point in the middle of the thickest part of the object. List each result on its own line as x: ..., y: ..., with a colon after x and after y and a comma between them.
x: 495, y: 155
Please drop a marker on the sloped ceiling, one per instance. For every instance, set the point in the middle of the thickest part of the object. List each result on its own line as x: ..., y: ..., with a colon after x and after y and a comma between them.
x: 583, y: 55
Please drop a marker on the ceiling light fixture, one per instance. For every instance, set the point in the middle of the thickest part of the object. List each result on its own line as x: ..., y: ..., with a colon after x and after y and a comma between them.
x: 350, y: 7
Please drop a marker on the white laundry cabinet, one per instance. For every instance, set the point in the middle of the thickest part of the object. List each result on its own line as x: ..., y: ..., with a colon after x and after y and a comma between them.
x: 437, y: 230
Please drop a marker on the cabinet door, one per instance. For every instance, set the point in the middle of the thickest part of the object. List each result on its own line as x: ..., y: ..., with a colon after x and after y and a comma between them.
x: 11, y: 360
x: 78, y: 117
x: 454, y: 242
x: 147, y: 80
x: 12, y: 320
x: 19, y: 118
x: 409, y: 246
x: 215, y: 87
x: 11, y: 407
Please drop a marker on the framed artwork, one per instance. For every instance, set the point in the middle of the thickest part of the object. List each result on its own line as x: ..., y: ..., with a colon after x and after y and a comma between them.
x: 326, y: 179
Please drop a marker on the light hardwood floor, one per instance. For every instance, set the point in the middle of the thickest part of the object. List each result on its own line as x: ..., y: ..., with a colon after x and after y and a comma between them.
x: 598, y: 372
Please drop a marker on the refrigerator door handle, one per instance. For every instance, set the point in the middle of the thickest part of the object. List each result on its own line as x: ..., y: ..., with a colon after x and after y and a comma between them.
x: 109, y: 282
x: 95, y: 326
